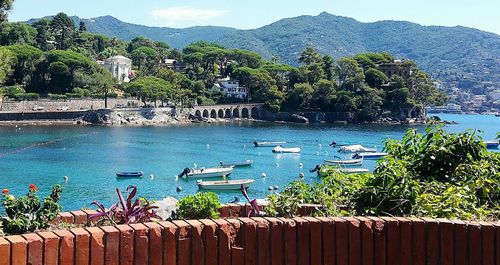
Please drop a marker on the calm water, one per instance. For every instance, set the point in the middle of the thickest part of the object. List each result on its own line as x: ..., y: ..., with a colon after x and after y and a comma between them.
x: 91, y: 155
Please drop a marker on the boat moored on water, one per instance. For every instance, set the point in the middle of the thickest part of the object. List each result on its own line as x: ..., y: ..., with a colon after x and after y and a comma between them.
x: 353, y: 170
x: 325, y: 170
x: 357, y: 148
x: 493, y: 144
x: 137, y: 174
x: 215, y: 172
x: 225, y: 184
x: 369, y: 155
x: 244, y: 163
x: 268, y: 144
x: 279, y: 149
x: 345, y: 163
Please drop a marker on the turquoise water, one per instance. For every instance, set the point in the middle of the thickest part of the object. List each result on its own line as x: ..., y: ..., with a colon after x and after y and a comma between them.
x: 91, y: 155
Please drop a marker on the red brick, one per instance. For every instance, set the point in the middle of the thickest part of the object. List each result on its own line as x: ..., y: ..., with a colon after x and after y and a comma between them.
x: 263, y: 241
x: 224, y: 240
x: 250, y: 240
x: 197, y: 247
x: 141, y: 242
x: 497, y: 241
x: 82, y: 246
x: 303, y: 240
x: 379, y: 241
x: 66, y: 247
x: 315, y: 237
x: 18, y: 250
x: 406, y: 240
x: 112, y: 243
x: 432, y: 250
x: 183, y: 230
x: 488, y: 242
x: 341, y: 241
x: 96, y: 245
x: 35, y: 249
x: 210, y: 239
x: 237, y: 256
x: 290, y: 240
x: 276, y: 240
x: 461, y: 239
x: 328, y: 236
x: 79, y: 217
x: 67, y: 218
x: 155, y: 243
x: 224, y: 211
x: 355, y: 248
x: 169, y: 245
x: 51, y: 248
x: 475, y: 249
x: 89, y: 214
x: 236, y: 232
x: 446, y: 241
x: 126, y: 244
x: 4, y: 251
x: 393, y: 240
x: 419, y: 241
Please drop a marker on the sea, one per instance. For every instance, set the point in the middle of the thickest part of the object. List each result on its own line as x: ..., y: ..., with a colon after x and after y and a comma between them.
x: 89, y: 156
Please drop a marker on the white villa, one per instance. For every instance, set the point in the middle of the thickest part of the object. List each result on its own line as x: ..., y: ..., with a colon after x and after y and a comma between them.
x: 119, y: 66
x: 231, y: 88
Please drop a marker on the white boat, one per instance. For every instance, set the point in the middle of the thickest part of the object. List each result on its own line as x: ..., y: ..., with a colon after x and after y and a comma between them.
x: 345, y: 163
x: 225, y: 184
x: 279, y: 149
x: 215, y: 172
x: 353, y: 170
x: 244, y: 163
x: 369, y: 155
x: 493, y: 144
x: 356, y: 149
x: 267, y: 144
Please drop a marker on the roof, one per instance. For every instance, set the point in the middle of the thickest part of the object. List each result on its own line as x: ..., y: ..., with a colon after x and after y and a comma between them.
x: 118, y: 58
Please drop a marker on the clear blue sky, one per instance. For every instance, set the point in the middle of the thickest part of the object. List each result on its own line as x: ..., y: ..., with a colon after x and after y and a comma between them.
x: 481, y: 14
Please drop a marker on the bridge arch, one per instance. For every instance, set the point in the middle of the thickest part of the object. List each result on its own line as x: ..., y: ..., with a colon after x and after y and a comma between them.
x: 245, y: 113
x: 221, y: 113
x: 227, y: 114
x: 255, y: 113
x: 213, y: 114
x: 197, y: 113
x: 205, y: 114
x: 236, y: 113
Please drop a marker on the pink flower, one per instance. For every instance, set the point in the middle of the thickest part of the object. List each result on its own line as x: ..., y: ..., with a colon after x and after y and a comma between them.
x: 5, y: 191
x: 33, y: 187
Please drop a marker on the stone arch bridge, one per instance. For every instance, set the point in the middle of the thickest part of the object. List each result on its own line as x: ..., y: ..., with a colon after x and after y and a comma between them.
x: 245, y: 111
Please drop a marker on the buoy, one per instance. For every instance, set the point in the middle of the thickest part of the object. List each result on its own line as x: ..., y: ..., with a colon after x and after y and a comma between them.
x: 320, y: 145
x: 176, y: 178
x: 301, y: 175
x: 276, y: 187
x: 270, y: 188
x: 178, y: 189
x: 195, y: 165
x: 301, y: 165
x: 152, y: 176
x: 317, y: 153
x: 276, y: 165
x: 208, y: 146
x: 66, y: 178
x: 263, y: 175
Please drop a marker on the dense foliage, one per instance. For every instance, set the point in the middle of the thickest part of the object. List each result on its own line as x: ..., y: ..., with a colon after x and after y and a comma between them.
x: 202, y: 205
x: 27, y: 213
x: 435, y: 174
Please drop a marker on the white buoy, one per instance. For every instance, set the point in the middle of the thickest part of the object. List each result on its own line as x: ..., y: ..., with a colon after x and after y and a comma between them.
x: 263, y: 175
x: 178, y: 189
x: 320, y: 145
x: 301, y: 175
x: 176, y: 178
x: 270, y: 188
x: 317, y: 153
x: 301, y: 165
x: 151, y: 176
x: 276, y: 165
x: 195, y: 165
x: 66, y: 178
x: 208, y: 146
x: 276, y: 187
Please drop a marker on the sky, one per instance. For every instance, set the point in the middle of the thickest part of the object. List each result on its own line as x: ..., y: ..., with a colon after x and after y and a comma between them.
x: 481, y: 14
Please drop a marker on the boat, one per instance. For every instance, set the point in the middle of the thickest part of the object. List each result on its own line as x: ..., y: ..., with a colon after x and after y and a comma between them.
x: 369, y: 155
x: 357, y: 148
x: 244, y: 163
x: 267, y: 144
x: 279, y: 149
x: 225, y: 184
x: 345, y: 163
x: 353, y: 170
x: 138, y: 174
x: 215, y: 172
x: 492, y: 144
x: 325, y: 170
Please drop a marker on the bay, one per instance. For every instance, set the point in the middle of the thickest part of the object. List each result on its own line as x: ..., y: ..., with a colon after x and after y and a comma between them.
x: 90, y: 155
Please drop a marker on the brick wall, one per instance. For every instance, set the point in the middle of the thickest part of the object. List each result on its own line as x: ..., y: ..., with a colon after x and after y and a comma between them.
x: 301, y: 240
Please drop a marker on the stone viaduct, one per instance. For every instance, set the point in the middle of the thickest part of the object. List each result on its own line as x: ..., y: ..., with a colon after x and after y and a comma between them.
x: 248, y: 111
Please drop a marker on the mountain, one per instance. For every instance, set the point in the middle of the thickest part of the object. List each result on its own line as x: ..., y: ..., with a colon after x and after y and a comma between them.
x: 448, y: 53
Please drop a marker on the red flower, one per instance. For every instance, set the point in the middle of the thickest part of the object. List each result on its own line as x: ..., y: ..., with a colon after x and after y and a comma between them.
x: 33, y: 187
x: 5, y: 191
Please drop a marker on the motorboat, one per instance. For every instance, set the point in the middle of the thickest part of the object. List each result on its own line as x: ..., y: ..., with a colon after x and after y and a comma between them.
x: 356, y: 149
x: 215, y: 172
x: 325, y: 170
x: 353, y: 170
x: 267, y: 144
x: 244, y: 163
x: 225, y: 184
x: 345, y: 163
x: 492, y: 144
x: 137, y: 174
x: 280, y: 149
x: 369, y: 155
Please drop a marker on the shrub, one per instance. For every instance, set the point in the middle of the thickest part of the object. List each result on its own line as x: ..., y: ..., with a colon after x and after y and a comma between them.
x: 10, y: 91
x: 26, y: 96
x: 27, y: 213
x: 202, y: 205
x: 57, y: 97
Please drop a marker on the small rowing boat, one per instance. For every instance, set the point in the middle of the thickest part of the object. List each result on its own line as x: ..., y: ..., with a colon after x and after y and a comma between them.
x: 244, y: 163
x: 356, y: 149
x: 369, y: 155
x: 137, y: 174
x: 215, y: 172
x: 267, y: 144
x: 225, y: 184
x: 492, y: 144
x: 345, y: 163
x: 279, y: 149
